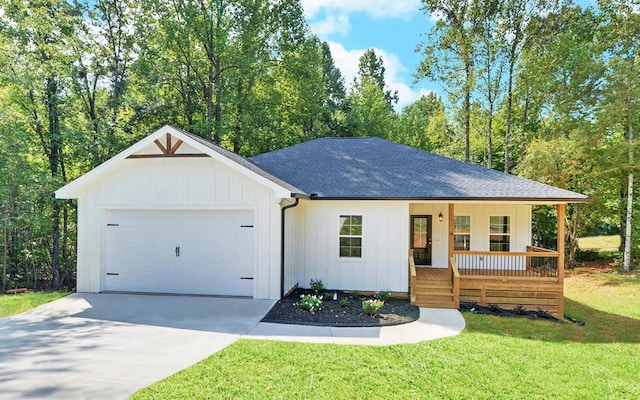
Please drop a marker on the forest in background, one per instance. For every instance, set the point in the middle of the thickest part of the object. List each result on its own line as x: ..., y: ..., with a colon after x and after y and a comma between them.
x: 542, y: 89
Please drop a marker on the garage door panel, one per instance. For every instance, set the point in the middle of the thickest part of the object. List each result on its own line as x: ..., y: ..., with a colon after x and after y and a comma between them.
x: 215, y: 252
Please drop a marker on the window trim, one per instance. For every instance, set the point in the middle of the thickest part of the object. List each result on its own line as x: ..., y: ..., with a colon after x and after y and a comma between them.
x: 461, y: 234
x: 350, y: 236
x: 506, y: 235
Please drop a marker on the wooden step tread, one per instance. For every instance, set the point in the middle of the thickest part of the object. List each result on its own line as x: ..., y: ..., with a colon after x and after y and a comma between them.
x: 432, y: 285
x: 436, y: 305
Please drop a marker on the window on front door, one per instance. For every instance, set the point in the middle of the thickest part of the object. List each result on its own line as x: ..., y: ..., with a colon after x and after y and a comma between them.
x: 499, y: 233
x: 462, y: 232
x: 351, y: 236
x: 421, y: 239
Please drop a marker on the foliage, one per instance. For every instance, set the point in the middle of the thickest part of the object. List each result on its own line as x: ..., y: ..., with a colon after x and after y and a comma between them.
x: 344, y: 303
x: 494, y: 358
x: 371, y: 306
x: 328, y: 296
x: 547, y: 90
x: 310, y: 302
x: 383, y: 295
x: 316, y: 285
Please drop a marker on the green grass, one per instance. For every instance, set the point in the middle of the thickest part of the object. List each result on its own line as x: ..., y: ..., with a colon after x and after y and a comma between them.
x: 494, y: 358
x: 599, y: 243
x: 11, y: 304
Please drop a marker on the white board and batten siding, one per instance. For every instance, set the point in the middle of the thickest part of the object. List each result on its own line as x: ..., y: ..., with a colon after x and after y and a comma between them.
x: 312, y: 237
x: 180, y: 187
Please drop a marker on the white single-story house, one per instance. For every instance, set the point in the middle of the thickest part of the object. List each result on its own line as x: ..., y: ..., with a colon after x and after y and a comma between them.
x: 175, y: 213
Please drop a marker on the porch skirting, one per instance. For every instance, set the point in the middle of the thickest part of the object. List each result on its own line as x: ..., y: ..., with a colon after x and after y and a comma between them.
x: 547, y: 296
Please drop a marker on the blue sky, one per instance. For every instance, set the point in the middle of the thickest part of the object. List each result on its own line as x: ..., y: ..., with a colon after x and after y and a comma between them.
x: 392, y: 27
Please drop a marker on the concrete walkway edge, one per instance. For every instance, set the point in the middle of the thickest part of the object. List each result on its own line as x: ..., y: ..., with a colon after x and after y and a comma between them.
x: 434, y: 323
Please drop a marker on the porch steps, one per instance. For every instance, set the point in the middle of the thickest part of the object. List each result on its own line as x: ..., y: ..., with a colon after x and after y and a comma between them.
x: 434, y: 294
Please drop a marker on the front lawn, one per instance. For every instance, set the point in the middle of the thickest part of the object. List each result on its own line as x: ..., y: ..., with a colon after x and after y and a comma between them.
x: 11, y: 304
x: 495, y: 358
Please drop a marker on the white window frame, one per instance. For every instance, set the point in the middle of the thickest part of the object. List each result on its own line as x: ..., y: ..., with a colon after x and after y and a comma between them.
x: 352, y: 234
x: 461, y: 233
x: 506, y: 234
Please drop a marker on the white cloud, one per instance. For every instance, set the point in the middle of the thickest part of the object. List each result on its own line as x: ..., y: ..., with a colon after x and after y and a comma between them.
x: 374, y: 8
x: 347, y: 62
x: 331, y: 25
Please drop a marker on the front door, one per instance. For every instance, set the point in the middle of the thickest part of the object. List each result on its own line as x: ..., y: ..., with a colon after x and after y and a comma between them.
x: 421, y: 239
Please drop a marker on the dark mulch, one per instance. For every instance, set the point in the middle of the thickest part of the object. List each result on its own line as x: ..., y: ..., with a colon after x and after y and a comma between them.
x: 493, y: 309
x: 394, y: 312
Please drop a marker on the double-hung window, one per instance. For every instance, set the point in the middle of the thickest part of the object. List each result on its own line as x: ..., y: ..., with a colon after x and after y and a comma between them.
x: 462, y: 232
x: 499, y: 233
x: 351, y: 236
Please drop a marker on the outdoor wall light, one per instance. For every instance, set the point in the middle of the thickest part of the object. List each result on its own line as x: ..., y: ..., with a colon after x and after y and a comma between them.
x: 440, y: 217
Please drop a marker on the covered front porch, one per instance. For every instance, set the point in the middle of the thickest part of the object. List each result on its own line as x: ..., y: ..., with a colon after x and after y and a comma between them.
x: 532, y: 278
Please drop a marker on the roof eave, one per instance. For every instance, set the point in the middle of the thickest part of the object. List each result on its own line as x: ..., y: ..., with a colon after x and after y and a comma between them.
x: 555, y: 200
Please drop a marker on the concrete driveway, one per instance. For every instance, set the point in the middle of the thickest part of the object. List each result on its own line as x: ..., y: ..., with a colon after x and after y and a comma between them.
x: 107, y: 346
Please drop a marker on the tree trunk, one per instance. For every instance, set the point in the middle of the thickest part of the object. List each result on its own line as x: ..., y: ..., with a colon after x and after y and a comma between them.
x: 5, y: 249
x: 467, y: 111
x: 507, y: 134
x: 218, y: 73
x: 490, y: 141
x: 627, y: 233
x: 239, y: 115
x: 525, y: 116
x: 55, y: 151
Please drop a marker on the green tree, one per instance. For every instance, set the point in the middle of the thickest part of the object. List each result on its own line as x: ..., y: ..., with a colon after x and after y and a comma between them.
x: 449, y: 55
x: 371, y: 67
x: 619, y: 111
x: 36, y: 63
x: 369, y: 112
x: 423, y: 124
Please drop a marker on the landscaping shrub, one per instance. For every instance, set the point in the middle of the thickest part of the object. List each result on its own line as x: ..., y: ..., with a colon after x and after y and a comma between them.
x: 383, y: 295
x: 372, y: 306
x: 310, y: 303
x: 316, y: 285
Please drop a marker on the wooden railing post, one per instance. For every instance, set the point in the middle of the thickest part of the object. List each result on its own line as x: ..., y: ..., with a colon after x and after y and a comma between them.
x: 451, y: 214
x: 455, y: 281
x: 560, y: 241
x: 412, y: 278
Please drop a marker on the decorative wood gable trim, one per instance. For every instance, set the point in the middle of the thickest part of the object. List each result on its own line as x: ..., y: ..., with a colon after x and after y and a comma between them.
x: 168, y: 150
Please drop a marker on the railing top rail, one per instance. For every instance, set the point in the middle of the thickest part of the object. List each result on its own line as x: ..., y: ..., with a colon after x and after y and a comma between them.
x: 454, y: 266
x: 540, y: 249
x: 506, y: 253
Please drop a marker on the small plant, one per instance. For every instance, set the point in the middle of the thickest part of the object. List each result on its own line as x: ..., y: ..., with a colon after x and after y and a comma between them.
x: 372, y: 306
x: 355, y: 295
x: 344, y: 303
x: 310, y: 302
x: 316, y: 285
x: 383, y: 295
x: 328, y: 296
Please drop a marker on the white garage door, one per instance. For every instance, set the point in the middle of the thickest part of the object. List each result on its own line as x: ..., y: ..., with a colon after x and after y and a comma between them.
x: 170, y: 251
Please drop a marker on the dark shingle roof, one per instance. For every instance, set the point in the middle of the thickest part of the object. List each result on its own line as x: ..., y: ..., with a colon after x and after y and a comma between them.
x: 365, y: 168
x: 240, y: 160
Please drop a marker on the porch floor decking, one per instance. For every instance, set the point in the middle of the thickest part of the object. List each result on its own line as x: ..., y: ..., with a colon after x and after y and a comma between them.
x: 443, y: 274
x: 432, y: 274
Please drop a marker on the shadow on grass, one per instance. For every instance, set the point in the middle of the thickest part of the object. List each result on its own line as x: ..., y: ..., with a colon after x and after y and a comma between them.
x: 600, y: 326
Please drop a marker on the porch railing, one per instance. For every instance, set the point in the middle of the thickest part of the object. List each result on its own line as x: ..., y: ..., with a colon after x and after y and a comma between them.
x: 536, y: 262
x: 455, y: 281
x: 412, y: 278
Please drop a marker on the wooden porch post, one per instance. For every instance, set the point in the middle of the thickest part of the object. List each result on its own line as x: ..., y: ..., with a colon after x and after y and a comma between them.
x: 560, y: 244
x: 450, y: 232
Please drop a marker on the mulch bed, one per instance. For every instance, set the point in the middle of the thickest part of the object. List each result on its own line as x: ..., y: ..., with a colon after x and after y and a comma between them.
x: 394, y: 312
x: 493, y: 309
